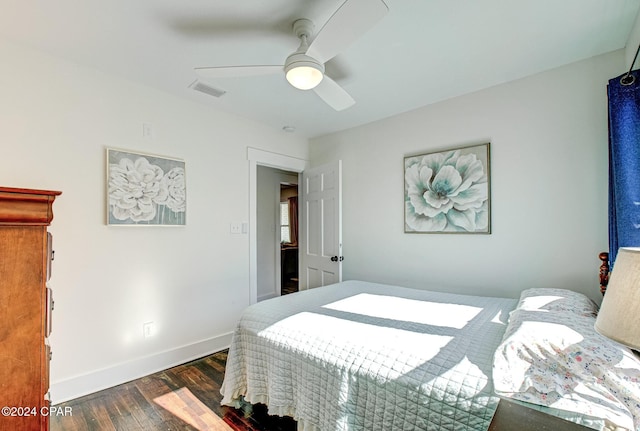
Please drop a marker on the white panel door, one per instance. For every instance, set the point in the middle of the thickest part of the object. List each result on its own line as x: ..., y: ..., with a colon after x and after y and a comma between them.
x: 321, y: 226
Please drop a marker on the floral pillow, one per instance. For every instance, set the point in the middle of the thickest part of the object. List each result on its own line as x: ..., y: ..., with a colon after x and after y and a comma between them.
x: 551, y: 299
x: 558, y: 360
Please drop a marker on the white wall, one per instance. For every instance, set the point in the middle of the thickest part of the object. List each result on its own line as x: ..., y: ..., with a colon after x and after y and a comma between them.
x: 548, y: 137
x: 549, y: 174
x: 632, y: 46
x: 56, y: 119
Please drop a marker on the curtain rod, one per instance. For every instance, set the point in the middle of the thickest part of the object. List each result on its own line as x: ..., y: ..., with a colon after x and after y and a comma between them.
x: 629, y: 78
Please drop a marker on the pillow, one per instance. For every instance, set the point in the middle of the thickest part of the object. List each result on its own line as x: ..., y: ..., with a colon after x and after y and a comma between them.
x: 557, y: 359
x: 551, y: 299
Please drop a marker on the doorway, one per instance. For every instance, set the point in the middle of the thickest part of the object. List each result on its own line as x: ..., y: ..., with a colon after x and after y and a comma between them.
x: 277, y: 227
x: 289, y: 233
x: 321, y: 262
x: 258, y: 158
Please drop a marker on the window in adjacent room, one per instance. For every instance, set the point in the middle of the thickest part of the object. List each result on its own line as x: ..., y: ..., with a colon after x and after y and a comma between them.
x: 285, y: 233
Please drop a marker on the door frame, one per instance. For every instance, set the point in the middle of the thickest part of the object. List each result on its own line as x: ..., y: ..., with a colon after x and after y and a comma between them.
x: 273, y: 160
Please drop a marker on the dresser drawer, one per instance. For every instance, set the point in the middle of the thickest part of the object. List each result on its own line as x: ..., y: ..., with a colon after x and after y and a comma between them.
x: 50, y: 254
x: 49, y: 312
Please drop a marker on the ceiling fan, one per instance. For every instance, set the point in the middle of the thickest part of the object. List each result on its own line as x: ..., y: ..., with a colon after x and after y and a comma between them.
x: 304, y: 68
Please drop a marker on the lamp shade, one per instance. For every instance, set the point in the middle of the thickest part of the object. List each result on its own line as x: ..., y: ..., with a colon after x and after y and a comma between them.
x: 619, y: 315
x: 303, y: 72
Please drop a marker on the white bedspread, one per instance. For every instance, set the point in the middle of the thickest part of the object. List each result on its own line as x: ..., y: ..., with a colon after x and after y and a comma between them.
x: 364, y: 356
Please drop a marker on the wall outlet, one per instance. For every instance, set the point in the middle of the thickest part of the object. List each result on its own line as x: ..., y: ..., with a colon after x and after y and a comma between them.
x: 147, y: 131
x: 148, y: 329
x: 236, y: 227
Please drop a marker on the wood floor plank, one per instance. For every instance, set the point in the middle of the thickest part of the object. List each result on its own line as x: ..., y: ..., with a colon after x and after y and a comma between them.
x: 153, y: 387
x: 185, y: 405
x: 99, y: 418
x: 76, y: 422
x: 133, y: 408
x: 183, y: 398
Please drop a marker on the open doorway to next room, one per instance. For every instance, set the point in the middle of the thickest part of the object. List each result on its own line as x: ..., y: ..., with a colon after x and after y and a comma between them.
x: 277, y: 232
x: 288, y: 238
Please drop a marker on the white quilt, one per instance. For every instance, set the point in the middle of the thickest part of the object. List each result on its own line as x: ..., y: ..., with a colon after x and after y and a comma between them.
x: 363, y: 356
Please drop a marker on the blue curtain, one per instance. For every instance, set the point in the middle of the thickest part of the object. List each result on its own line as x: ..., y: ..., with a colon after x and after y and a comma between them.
x: 624, y: 164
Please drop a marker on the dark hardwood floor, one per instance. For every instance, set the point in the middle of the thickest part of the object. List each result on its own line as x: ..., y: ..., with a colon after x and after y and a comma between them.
x: 289, y: 286
x: 186, y: 397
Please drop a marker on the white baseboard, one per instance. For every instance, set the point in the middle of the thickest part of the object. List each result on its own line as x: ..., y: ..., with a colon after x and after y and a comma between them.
x: 268, y: 296
x: 74, y: 387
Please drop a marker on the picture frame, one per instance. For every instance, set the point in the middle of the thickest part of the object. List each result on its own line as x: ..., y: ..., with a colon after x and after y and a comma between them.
x: 448, y: 191
x: 145, y: 189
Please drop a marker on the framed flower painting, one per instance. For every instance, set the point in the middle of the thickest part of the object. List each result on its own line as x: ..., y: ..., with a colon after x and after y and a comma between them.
x: 448, y: 191
x: 145, y: 190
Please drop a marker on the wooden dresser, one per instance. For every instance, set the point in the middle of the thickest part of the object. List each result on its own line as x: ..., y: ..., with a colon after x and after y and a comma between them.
x: 25, y: 307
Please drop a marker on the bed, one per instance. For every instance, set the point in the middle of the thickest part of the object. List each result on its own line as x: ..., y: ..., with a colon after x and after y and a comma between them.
x: 364, y: 356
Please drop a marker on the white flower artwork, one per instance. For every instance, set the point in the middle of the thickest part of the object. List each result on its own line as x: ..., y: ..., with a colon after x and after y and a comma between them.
x: 448, y: 191
x: 143, y: 189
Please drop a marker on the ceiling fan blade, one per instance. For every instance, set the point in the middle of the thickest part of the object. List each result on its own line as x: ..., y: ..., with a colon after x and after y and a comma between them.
x: 346, y: 25
x: 334, y: 95
x: 237, y: 71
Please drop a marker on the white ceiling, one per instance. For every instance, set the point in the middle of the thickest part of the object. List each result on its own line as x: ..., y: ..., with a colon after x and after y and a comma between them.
x: 422, y: 51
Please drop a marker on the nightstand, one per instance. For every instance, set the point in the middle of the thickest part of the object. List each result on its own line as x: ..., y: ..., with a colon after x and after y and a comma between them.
x: 512, y: 416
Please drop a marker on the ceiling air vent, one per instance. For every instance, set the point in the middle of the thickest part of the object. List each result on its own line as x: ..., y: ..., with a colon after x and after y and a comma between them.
x: 204, y: 88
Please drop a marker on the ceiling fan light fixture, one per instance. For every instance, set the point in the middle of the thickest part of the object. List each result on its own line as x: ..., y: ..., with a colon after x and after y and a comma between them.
x: 303, y: 72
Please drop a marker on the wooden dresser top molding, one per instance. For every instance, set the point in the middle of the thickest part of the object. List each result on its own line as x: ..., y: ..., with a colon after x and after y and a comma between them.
x: 26, y: 206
